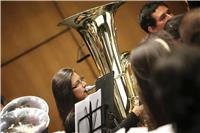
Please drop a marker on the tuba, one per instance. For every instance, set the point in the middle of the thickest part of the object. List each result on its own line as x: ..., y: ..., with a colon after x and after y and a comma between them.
x: 96, y: 26
x: 25, y: 114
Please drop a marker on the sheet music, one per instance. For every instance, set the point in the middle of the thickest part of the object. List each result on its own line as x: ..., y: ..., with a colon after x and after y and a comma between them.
x: 82, y: 109
x: 96, y: 102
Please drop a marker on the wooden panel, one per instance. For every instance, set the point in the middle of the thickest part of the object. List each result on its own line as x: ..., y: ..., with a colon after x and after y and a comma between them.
x: 128, y: 31
x: 32, y: 74
x: 177, y: 7
x: 26, y: 24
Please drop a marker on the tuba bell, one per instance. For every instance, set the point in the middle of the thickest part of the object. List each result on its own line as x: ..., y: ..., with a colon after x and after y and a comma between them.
x: 25, y: 114
x: 96, y: 26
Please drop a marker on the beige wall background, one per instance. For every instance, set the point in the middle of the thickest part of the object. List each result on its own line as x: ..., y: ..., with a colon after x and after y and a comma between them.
x: 33, y: 48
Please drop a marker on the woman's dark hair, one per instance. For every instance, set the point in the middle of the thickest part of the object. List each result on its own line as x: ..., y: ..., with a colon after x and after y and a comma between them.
x: 176, y: 81
x: 145, y: 18
x: 193, y: 4
x: 143, y: 59
x: 62, y: 91
x: 69, y: 122
x: 172, y: 26
x: 189, y: 28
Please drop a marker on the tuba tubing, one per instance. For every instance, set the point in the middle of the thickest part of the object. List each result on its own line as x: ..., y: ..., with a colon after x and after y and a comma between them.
x: 96, y: 27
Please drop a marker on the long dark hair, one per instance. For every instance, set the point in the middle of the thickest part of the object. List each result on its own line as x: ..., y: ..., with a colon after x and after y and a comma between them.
x: 62, y: 91
x: 143, y: 59
x: 176, y: 81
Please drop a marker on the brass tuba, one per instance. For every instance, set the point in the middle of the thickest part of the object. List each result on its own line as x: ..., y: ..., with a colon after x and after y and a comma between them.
x: 96, y: 26
x: 25, y: 114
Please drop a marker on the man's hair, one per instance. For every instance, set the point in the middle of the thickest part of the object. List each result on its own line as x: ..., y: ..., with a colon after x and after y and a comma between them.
x: 145, y: 18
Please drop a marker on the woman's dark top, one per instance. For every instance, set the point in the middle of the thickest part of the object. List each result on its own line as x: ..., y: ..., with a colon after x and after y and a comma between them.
x: 131, y: 121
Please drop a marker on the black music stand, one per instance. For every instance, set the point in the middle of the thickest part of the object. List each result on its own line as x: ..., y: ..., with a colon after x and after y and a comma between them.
x: 106, y: 84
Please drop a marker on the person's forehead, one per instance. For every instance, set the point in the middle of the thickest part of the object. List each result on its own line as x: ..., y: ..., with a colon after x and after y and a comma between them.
x: 75, y: 77
x: 159, y: 11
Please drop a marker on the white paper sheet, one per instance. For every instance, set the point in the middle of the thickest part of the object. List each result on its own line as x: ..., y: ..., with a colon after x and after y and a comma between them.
x: 82, y: 109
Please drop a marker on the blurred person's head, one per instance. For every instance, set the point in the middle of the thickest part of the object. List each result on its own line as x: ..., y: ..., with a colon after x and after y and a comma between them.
x: 153, y: 16
x: 143, y: 59
x: 176, y: 79
x: 190, y: 27
x: 172, y: 26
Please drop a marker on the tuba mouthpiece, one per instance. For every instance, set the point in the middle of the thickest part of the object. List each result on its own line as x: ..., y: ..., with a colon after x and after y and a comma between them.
x: 89, y: 87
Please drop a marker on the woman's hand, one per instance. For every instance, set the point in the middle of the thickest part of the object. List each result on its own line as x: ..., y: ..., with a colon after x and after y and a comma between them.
x: 138, y: 110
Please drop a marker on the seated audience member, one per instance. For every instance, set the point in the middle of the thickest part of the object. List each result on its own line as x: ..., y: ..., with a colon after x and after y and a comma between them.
x: 172, y: 26
x: 176, y: 85
x: 142, y: 63
x: 68, y: 89
x: 153, y: 16
x: 190, y: 27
